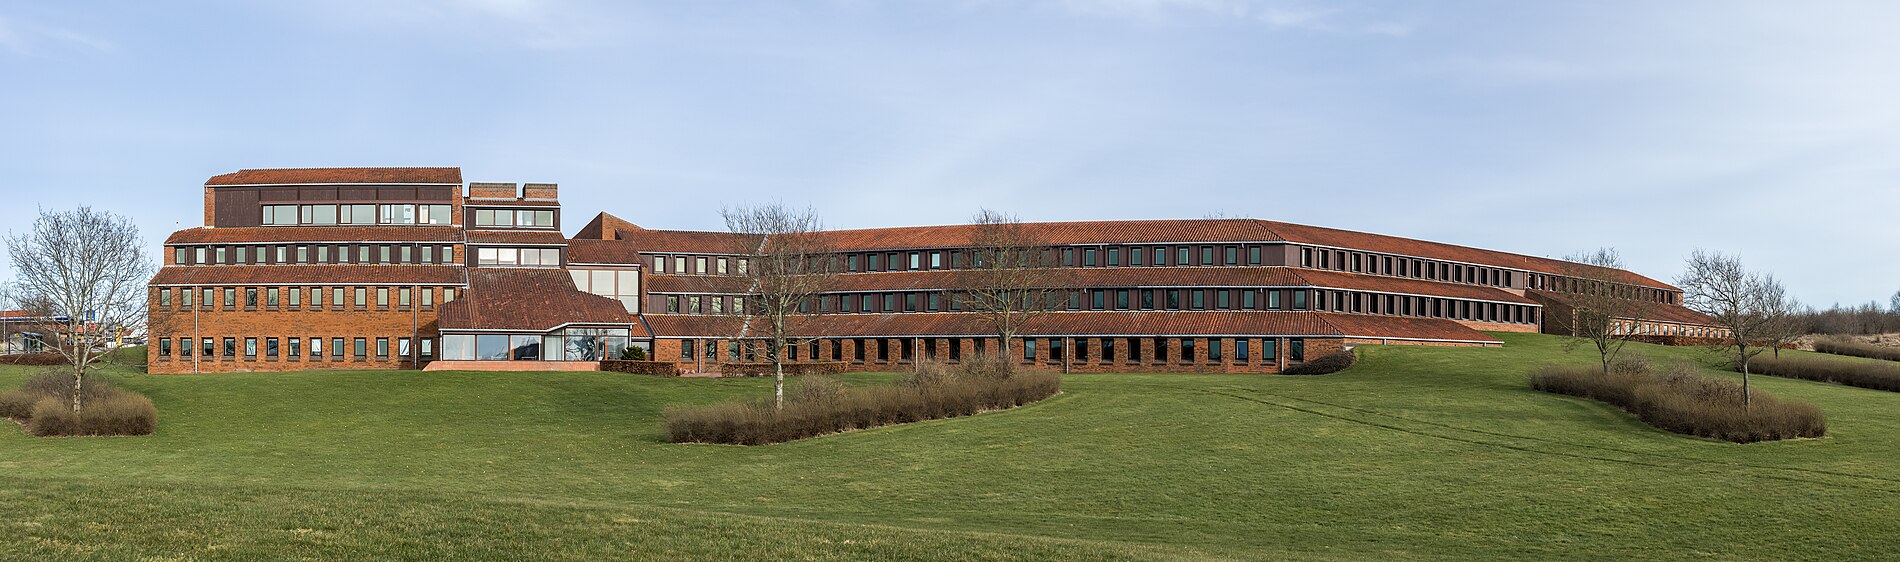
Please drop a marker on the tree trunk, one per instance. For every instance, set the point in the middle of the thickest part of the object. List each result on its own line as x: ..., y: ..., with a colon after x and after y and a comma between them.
x: 1744, y: 379
x: 79, y: 374
x: 778, y: 384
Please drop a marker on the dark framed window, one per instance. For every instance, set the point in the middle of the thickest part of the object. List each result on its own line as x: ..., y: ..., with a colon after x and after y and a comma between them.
x: 1187, y: 350
x: 1161, y: 349
x: 1299, y: 300
x: 1247, y: 299
x: 165, y: 348
x: 1267, y: 348
x: 250, y: 347
x: 1174, y: 299
x: 1222, y: 300
x: 1296, y: 349
x: 1121, y: 299
x: 250, y: 297
x: 336, y: 347
x: 1213, y: 350
x: 1096, y: 299
x: 1240, y: 350
x: 1253, y: 255
x: 1232, y: 256
x: 1199, y: 299
x: 1207, y: 255
x: 270, y: 347
x: 1148, y: 299
x: 359, y: 347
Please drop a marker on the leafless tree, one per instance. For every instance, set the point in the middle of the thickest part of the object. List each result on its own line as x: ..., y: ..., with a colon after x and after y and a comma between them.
x: 87, y: 269
x: 1786, y: 317
x: 1747, y: 305
x: 787, y: 266
x: 1011, y: 278
x: 1603, y: 314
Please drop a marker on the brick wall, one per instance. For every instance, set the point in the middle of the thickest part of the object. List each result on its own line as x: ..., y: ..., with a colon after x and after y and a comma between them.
x: 669, y: 350
x: 283, y: 323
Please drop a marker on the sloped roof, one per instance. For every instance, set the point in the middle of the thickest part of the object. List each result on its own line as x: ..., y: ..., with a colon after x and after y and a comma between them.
x: 308, y: 274
x: 516, y: 237
x: 1172, y: 323
x: 316, y: 176
x: 1115, y: 277
x: 1116, y: 232
x: 527, y: 300
x: 310, y: 234
x: 1652, y: 311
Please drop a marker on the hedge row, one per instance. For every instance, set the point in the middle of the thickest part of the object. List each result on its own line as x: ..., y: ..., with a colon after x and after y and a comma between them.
x: 1864, y: 374
x: 1681, y: 401
x: 766, y: 370
x: 1849, y: 347
x: 35, y: 359
x: 822, y: 405
x: 660, y: 368
x: 1324, y: 365
x: 44, y: 404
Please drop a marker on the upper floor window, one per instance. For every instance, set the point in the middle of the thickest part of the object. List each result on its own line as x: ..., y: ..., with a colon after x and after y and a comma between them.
x: 530, y: 257
x: 514, y: 218
x: 367, y: 214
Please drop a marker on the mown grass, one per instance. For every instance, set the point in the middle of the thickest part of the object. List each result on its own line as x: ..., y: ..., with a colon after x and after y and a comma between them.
x: 1413, y: 453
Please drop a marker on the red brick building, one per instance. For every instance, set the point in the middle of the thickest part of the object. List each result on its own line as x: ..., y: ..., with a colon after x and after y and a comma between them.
x: 357, y: 268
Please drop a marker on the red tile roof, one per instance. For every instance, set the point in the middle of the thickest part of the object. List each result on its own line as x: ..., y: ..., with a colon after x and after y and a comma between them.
x: 1121, y: 277
x: 314, y: 176
x: 1115, y: 232
x: 615, y: 252
x: 311, y: 234
x: 1654, y: 312
x: 308, y: 275
x: 533, y: 300
x: 515, y: 237
x: 1096, y: 324
x: 604, y: 227
x: 1366, y: 241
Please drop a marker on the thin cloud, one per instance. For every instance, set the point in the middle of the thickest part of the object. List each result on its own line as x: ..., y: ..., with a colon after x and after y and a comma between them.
x: 1277, y: 15
x: 25, y: 38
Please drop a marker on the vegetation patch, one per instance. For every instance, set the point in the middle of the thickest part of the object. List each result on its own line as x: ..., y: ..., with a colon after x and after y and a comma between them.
x: 1878, y: 376
x: 1324, y: 365
x: 1678, y: 400
x: 823, y: 405
x: 766, y: 370
x: 660, y: 368
x: 45, y: 406
x: 33, y: 359
x: 1853, y: 348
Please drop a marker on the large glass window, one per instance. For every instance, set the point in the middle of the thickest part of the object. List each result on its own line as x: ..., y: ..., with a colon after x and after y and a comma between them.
x: 525, y: 347
x: 456, y: 348
x: 492, y: 347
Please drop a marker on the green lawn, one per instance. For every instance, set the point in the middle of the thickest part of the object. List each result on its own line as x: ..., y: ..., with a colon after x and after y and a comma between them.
x: 1416, y: 453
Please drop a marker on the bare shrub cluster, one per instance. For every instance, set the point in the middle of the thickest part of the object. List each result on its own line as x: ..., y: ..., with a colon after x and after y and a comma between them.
x: 1324, y: 365
x: 1854, y: 348
x: 33, y: 359
x: 1863, y: 374
x: 44, y: 405
x: 1676, y: 399
x: 823, y: 405
x: 791, y: 369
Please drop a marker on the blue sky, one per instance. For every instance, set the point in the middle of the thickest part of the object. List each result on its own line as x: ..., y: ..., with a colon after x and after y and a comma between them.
x: 1769, y: 129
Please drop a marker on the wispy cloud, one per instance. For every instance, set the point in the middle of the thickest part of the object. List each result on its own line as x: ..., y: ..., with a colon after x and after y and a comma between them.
x: 21, y: 37
x: 1277, y: 15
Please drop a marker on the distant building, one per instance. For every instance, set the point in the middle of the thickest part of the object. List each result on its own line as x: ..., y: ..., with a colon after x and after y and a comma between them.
x: 22, y: 331
x: 356, y: 268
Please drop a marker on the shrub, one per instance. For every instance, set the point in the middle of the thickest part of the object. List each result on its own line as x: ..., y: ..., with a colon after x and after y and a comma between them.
x: 1878, y: 376
x: 633, y: 353
x: 1851, y: 347
x: 661, y: 368
x: 823, y: 405
x: 1325, y: 364
x: 791, y: 369
x: 44, y: 404
x: 33, y: 359
x: 1680, y: 401
x: 17, y: 404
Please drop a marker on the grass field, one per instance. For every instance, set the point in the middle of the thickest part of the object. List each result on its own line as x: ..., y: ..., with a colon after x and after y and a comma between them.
x: 1415, y: 453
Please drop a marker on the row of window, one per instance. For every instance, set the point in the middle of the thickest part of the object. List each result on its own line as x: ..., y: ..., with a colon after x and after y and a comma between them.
x: 1575, y: 285
x: 572, y: 344
x: 699, y: 265
x: 518, y: 257
x: 301, y: 298
x: 367, y: 214
x: 504, y: 218
x: 1105, y: 350
x: 293, y: 349
x: 1671, y: 330
x: 1398, y: 266
x: 1146, y: 299
x: 319, y: 254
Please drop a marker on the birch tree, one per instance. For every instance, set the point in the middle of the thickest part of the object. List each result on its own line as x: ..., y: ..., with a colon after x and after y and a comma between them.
x: 786, y: 266
x: 87, y: 270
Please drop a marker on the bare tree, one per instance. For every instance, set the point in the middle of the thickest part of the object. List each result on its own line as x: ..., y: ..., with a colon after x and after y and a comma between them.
x: 1786, y: 316
x: 1603, y: 313
x: 1011, y: 278
x: 787, y: 266
x: 86, y: 270
x: 1745, y: 304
